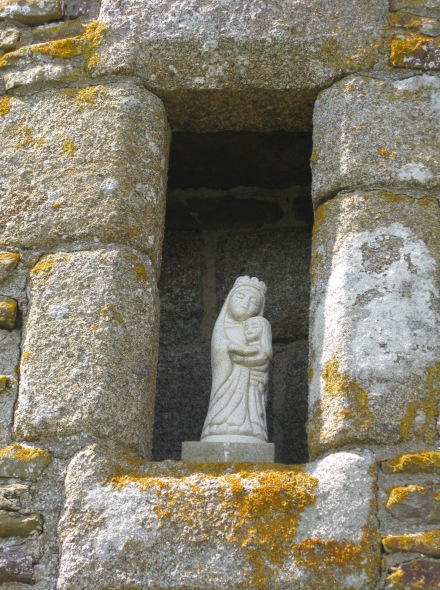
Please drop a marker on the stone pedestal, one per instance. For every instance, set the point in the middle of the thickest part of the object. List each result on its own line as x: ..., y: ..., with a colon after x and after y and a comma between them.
x: 220, y: 452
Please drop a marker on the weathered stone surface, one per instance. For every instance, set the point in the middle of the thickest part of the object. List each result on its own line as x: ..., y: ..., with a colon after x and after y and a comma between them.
x: 415, y: 503
x: 290, y: 401
x: 8, y: 261
x: 130, y: 524
x: 101, y: 311
x: 31, y: 12
x: 413, y: 50
x: 259, y: 254
x: 9, y: 38
x: 16, y: 566
x: 180, y: 288
x: 221, y: 452
x: 23, y: 462
x: 427, y: 542
x: 87, y: 179
x: 14, y: 490
x: 19, y: 525
x: 417, y: 6
x: 229, y: 65
x: 364, y: 136
x: 6, y: 504
x: 423, y: 462
x: 419, y: 574
x: 183, y: 389
x: 374, y: 347
x: 418, y: 24
x: 8, y: 313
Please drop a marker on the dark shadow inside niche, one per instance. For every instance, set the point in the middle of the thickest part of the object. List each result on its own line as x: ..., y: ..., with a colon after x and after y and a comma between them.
x: 237, y: 204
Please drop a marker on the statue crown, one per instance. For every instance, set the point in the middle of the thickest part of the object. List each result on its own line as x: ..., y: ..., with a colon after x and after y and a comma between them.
x: 251, y: 282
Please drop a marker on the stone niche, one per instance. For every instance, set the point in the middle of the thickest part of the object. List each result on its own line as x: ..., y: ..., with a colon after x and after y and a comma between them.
x: 237, y: 204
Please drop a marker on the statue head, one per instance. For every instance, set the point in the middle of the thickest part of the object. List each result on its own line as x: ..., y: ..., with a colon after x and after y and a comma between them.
x: 247, y: 298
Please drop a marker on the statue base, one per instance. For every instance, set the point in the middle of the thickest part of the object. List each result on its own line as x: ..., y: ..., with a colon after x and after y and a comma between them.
x: 228, y: 452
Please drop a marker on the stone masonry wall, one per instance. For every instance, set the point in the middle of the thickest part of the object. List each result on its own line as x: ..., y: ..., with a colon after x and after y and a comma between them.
x: 86, y: 93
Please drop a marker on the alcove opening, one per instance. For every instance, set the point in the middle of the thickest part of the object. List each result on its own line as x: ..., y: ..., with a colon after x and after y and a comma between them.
x: 237, y: 204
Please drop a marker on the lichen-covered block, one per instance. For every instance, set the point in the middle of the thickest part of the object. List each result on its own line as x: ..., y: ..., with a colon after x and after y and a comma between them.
x: 23, y: 462
x: 414, y: 50
x: 426, y: 542
x: 418, y: 574
x: 8, y: 261
x: 89, y: 355
x: 83, y: 164
x: 421, y: 462
x: 13, y: 524
x: 31, y: 12
x: 415, y: 503
x: 134, y: 525
x: 240, y: 65
x: 8, y: 313
x: 375, y: 312
x: 376, y: 133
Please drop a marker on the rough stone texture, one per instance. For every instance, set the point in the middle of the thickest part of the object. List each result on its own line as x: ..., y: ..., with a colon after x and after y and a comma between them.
x: 183, y: 390
x: 128, y: 524
x: 99, y: 176
x: 8, y: 261
x: 16, y: 566
x: 19, y: 525
x: 417, y: 6
x: 221, y: 452
x: 101, y: 311
x: 364, y: 136
x: 415, y: 503
x: 30, y: 12
x: 260, y: 254
x: 180, y: 288
x: 419, y: 574
x: 375, y: 312
x: 257, y: 65
x: 9, y: 360
x: 289, y: 389
x: 426, y: 542
x: 8, y: 313
x: 23, y: 462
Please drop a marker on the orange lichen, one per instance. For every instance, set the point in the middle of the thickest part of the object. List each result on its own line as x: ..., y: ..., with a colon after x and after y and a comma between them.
x: 261, y: 503
x: 9, y: 260
x: 43, y: 267
x: 24, y: 137
x: 68, y: 148
x: 398, y: 494
x: 85, y: 96
x: 420, y: 417
x: 423, y: 462
x: 141, y: 272
x: 5, y: 105
x: 25, y: 454
x: 342, y: 414
x: 426, y: 542
x: 320, y: 217
x: 386, y: 153
x: 409, y: 46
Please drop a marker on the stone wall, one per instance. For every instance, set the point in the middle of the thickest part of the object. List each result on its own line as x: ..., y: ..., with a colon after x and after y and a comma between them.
x: 86, y: 93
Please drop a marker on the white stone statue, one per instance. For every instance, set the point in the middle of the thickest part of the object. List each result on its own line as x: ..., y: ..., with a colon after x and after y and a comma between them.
x: 241, y: 350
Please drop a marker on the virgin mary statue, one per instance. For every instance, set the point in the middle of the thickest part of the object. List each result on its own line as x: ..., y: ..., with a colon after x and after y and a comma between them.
x: 241, y: 350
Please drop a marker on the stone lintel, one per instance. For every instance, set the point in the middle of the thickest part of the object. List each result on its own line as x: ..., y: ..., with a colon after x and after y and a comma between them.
x: 219, y: 452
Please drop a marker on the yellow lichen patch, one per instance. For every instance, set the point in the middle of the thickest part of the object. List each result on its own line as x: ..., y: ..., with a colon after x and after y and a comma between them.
x: 24, y: 138
x: 8, y: 260
x: 85, y: 45
x: 25, y: 356
x: 409, y: 21
x: 427, y: 542
x: 56, y: 205
x: 320, y: 217
x: 3, y: 382
x: 25, y: 454
x: 141, y: 272
x: 330, y: 559
x: 420, y: 417
x: 111, y: 314
x: 424, y: 462
x: 409, y: 46
x: 343, y: 411
x: 43, y: 267
x: 260, y: 503
x: 68, y: 148
x: 386, y: 153
x: 398, y: 494
x: 5, y: 105
x: 314, y: 157
x: 85, y: 96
